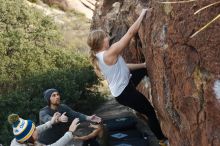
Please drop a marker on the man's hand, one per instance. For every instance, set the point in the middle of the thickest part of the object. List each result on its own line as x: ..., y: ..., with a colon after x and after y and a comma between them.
x: 94, y: 118
x: 63, y: 118
x: 55, y: 118
x: 74, y: 125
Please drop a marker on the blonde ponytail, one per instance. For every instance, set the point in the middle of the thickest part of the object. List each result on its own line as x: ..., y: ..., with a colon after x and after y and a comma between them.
x: 95, y: 41
x: 94, y: 62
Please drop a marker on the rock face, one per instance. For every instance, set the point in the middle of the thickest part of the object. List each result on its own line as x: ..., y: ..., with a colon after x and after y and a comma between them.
x: 184, y: 72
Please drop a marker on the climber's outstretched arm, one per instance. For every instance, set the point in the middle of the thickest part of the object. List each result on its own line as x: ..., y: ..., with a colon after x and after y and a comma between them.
x: 115, y: 49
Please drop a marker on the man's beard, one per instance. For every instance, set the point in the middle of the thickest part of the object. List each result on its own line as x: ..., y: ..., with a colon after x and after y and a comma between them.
x: 56, y: 103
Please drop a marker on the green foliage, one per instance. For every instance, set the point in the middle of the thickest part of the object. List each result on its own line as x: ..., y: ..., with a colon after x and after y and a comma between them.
x: 33, y: 59
x: 27, y: 40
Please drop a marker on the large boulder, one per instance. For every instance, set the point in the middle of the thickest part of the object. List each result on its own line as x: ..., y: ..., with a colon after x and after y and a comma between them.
x: 184, y: 71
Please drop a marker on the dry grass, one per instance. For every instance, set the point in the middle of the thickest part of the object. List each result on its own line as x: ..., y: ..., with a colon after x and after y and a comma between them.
x: 203, y: 8
x: 177, y: 2
x: 204, y: 27
x: 210, y: 22
x: 198, y: 11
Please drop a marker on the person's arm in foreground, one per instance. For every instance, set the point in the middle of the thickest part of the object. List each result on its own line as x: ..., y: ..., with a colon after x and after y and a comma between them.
x: 47, y: 125
x: 68, y: 136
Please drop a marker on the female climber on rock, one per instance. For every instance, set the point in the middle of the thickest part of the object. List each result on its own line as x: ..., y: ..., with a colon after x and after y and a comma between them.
x: 122, y: 78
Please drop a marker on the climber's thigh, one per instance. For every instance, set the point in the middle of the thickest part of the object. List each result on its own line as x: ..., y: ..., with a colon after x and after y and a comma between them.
x: 134, y: 99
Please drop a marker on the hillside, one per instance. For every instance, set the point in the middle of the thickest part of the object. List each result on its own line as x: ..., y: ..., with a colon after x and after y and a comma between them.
x: 72, y: 23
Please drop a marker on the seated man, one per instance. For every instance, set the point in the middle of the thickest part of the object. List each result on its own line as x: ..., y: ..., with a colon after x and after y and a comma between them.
x: 26, y: 133
x: 52, y: 97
